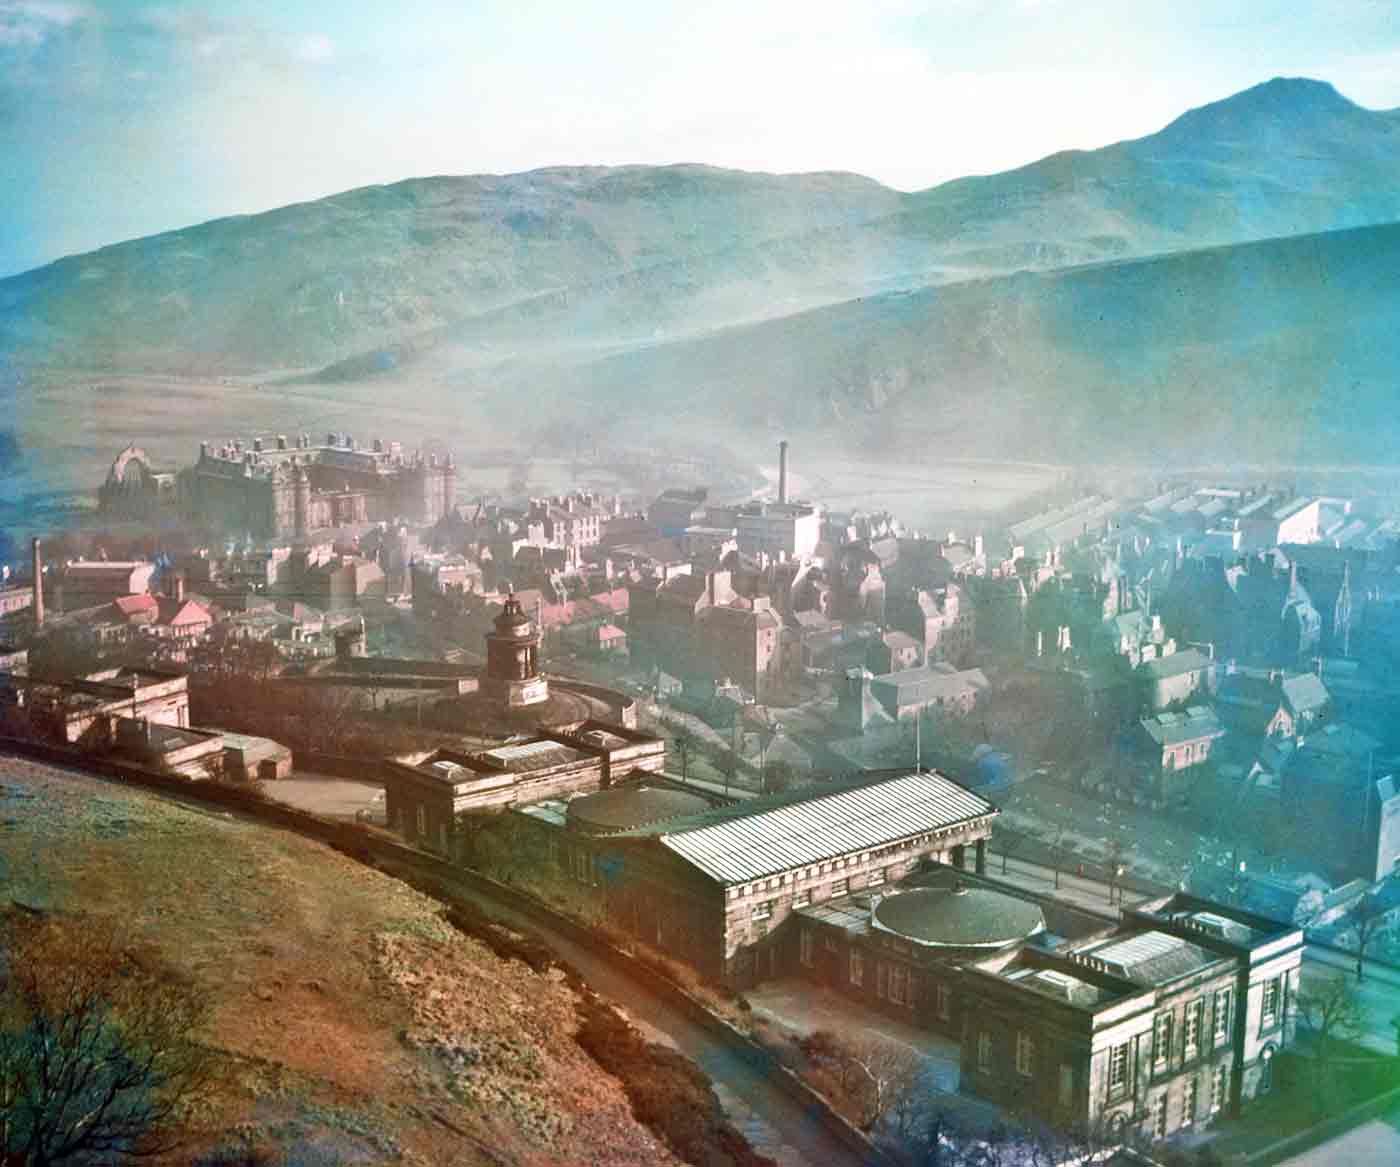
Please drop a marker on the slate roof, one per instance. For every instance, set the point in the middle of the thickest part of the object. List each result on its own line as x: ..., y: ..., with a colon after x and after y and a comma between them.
x: 1187, y: 661
x: 928, y: 683
x: 1149, y: 958
x: 958, y: 917
x: 1305, y: 692
x: 751, y: 841
x: 1171, y: 729
x: 628, y: 807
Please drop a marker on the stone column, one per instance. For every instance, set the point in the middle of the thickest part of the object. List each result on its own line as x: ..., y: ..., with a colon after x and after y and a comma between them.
x: 960, y: 856
x: 981, y: 861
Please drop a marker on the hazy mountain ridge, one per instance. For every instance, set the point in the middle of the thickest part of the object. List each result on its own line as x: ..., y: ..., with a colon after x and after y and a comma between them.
x: 299, y: 284
x: 1283, y: 347
x: 586, y: 256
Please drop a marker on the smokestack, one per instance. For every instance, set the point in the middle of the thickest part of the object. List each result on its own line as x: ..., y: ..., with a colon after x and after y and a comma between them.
x: 38, y: 556
x: 782, y: 471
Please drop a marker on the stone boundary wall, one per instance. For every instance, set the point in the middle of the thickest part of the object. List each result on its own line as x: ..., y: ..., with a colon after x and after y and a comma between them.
x: 363, y: 843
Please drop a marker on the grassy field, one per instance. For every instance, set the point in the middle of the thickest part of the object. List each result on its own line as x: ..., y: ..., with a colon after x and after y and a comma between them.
x: 352, y: 1024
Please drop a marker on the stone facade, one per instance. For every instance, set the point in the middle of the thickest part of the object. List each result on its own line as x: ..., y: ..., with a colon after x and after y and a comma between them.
x: 283, y: 490
x: 670, y: 883
x: 1157, y: 1026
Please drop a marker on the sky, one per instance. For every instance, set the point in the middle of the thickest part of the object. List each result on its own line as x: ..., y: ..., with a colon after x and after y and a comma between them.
x: 126, y: 118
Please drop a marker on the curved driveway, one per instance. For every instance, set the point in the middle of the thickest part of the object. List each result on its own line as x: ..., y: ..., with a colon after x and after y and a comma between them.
x: 774, y: 1122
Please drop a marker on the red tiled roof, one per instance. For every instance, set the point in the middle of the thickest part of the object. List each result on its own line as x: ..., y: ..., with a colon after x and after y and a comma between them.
x: 133, y: 606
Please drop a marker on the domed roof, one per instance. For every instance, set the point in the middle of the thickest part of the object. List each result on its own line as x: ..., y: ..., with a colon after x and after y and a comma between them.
x: 512, y: 620
x: 958, y: 916
x: 624, y: 807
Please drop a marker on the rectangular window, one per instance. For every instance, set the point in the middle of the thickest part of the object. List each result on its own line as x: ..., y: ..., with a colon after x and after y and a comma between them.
x: 1188, y: 1104
x: 802, y: 899
x: 806, y: 946
x: 876, y: 877
x: 857, y: 967
x: 943, y: 1002
x: 1218, y: 1082
x: 1191, y: 1034
x: 829, y: 942
x: 1222, y: 1016
x: 1162, y: 1039
x: 422, y: 820
x: 840, y: 887
x: 1066, y: 1094
x: 984, y: 1050
x: 1118, y: 1070
x: 1159, y: 1116
x: 1269, y: 1012
x: 763, y: 909
x: 1025, y: 1054
x: 899, y: 985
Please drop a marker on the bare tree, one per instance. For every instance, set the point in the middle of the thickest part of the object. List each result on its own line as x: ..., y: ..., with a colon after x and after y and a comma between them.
x: 727, y: 763
x: 1330, y: 1014
x: 1369, y: 915
x: 96, y: 1061
x: 887, y: 1077
x: 777, y: 777
x: 684, y: 742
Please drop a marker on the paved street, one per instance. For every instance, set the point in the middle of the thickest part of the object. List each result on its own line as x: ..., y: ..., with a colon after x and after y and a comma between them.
x: 1372, y: 1144
x: 1081, y: 891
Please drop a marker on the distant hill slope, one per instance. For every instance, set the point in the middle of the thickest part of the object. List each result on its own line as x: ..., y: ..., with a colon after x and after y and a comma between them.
x: 1284, y: 349
x: 480, y: 269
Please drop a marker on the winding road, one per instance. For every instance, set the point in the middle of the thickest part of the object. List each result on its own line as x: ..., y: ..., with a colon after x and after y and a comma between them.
x: 773, y: 1121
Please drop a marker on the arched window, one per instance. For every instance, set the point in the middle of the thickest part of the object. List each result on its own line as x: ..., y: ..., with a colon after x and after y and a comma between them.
x: 1266, y: 1069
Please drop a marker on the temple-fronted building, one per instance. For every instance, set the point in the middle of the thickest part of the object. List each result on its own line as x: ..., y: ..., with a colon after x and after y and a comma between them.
x: 722, y: 888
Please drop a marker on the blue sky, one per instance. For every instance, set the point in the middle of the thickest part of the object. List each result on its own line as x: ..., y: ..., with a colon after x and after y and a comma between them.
x: 121, y: 119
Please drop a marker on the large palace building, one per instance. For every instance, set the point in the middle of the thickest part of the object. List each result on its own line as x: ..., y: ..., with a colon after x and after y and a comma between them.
x: 277, y: 489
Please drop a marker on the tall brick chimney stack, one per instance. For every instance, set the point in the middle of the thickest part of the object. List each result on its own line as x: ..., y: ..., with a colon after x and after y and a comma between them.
x: 782, y: 471
x: 36, y: 550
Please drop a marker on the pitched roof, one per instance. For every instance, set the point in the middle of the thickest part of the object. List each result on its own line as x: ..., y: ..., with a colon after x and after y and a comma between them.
x: 1149, y: 958
x: 1171, y: 729
x: 752, y: 842
x: 129, y: 606
x: 1173, y: 665
x: 928, y: 683
x: 1305, y: 692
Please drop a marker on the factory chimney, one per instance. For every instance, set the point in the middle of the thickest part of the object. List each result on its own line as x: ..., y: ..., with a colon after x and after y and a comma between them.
x: 782, y: 471
x: 37, y: 551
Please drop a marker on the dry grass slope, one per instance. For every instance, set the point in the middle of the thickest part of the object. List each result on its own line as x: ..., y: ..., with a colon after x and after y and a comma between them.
x: 353, y: 1024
